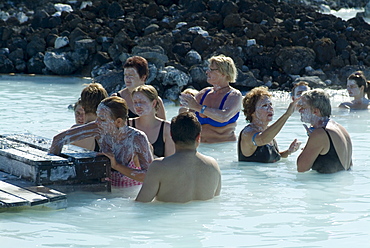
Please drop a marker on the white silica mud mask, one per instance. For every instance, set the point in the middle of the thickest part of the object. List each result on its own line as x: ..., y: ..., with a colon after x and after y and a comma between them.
x: 105, y: 121
x: 142, y: 104
x: 299, y: 90
x: 264, y: 110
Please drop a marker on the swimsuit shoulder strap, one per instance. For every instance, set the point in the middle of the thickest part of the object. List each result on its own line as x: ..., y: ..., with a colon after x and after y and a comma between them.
x: 224, y: 99
x: 204, y: 96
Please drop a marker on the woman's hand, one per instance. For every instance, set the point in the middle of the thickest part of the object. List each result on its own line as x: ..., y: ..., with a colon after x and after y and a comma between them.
x: 294, y: 146
x: 113, y: 161
x: 187, y: 100
x: 292, y: 106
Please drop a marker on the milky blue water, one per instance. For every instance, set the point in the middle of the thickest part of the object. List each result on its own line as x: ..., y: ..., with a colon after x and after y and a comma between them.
x: 261, y: 205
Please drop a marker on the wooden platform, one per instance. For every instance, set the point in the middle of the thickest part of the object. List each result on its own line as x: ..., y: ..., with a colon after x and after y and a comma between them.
x: 12, y: 196
x: 26, y: 156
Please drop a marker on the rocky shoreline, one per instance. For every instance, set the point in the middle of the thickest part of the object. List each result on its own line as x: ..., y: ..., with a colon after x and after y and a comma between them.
x: 273, y: 43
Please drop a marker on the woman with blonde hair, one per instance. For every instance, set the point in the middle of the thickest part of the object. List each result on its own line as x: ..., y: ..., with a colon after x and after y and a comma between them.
x: 217, y: 107
x: 146, y: 102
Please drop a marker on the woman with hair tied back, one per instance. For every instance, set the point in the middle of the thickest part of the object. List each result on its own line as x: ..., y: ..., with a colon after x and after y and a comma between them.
x: 127, y: 148
x: 217, y: 108
x: 357, y: 87
x: 146, y: 102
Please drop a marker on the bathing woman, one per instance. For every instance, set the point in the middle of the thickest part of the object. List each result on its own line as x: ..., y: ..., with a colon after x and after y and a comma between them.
x: 217, y: 107
x: 329, y: 146
x: 127, y: 148
x: 257, y: 140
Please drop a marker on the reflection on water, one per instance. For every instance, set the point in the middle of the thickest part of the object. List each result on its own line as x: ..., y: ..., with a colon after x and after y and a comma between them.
x: 261, y: 205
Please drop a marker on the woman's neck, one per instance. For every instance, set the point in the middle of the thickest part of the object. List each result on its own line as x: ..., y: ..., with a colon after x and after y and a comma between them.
x: 321, y: 122
x: 221, y: 88
x: 259, y: 125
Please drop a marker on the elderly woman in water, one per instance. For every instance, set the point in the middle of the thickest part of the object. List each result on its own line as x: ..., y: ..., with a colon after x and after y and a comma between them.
x: 329, y: 146
x: 257, y: 140
x: 357, y: 87
x: 127, y: 148
x: 217, y: 107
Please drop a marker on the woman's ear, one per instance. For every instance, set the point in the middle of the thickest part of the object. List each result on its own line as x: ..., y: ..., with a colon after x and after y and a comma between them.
x: 119, y: 122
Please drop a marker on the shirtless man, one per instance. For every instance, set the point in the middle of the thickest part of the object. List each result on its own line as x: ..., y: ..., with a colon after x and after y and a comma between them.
x: 329, y: 146
x: 186, y: 175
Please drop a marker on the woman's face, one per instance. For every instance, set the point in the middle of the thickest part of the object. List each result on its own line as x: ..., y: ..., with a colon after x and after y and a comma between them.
x: 132, y: 78
x: 79, y: 115
x: 305, y: 110
x: 352, y: 88
x: 213, y: 74
x: 142, y: 104
x: 264, y: 110
x: 104, y: 120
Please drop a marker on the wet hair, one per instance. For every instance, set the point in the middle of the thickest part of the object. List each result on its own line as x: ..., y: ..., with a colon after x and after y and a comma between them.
x: 319, y: 99
x: 185, y: 128
x: 91, y: 96
x: 190, y: 91
x: 300, y: 83
x: 250, y: 101
x: 140, y: 64
x: 117, y: 106
x: 76, y: 104
x: 226, y: 67
x: 360, y: 80
x: 149, y: 91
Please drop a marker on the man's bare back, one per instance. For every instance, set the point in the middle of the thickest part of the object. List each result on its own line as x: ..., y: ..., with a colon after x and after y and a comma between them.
x: 185, y: 176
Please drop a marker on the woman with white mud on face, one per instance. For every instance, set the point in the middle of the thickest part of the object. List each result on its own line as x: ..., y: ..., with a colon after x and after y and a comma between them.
x: 146, y: 103
x: 257, y: 140
x: 127, y: 148
x: 357, y: 87
x: 329, y: 146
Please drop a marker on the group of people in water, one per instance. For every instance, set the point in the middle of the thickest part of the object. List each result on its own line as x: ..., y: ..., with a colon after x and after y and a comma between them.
x: 130, y: 128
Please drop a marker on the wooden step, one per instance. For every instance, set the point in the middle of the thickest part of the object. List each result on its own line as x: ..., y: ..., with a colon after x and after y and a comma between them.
x: 14, y: 196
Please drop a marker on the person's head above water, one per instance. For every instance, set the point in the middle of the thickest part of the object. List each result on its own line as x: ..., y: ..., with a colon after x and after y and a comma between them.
x: 185, y: 128
x: 299, y: 88
x: 91, y: 96
x: 117, y: 107
x: 136, y: 71
x: 316, y: 99
x: 225, y: 65
x: 79, y: 113
x: 146, y: 91
x: 357, y: 84
x: 251, y: 98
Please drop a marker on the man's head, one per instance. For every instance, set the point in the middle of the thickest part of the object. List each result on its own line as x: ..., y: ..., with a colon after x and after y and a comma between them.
x: 185, y: 128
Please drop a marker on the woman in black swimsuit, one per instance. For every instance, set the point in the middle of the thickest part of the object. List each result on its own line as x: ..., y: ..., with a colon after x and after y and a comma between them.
x: 257, y: 140
x: 329, y: 147
x: 136, y: 71
x: 145, y: 102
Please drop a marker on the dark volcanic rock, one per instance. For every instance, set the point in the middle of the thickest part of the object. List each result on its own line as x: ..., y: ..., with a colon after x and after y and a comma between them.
x: 268, y: 40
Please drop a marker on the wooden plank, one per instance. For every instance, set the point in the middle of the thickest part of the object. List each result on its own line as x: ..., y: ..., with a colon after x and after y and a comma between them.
x: 51, y: 194
x: 8, y: 200
x: 32, y: 198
